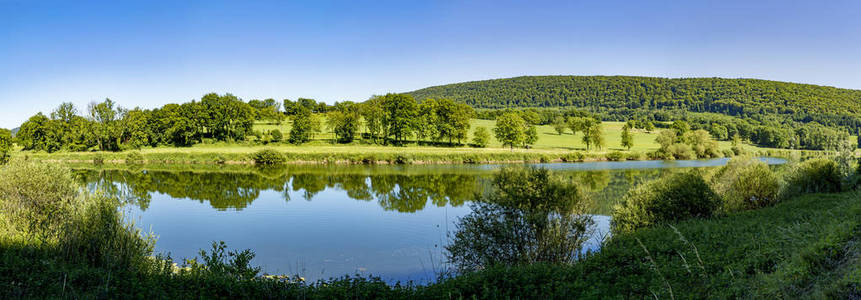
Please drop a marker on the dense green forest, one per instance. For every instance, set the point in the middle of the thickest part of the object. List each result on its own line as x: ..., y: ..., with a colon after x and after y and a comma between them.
x: 768, y: 113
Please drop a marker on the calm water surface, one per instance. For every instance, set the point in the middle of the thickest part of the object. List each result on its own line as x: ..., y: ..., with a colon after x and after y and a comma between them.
x: 330, y: 221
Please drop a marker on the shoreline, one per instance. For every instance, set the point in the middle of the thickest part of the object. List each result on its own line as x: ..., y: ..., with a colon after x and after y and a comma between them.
x: 408, y: 157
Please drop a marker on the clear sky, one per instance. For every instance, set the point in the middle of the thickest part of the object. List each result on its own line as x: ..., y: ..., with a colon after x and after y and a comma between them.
x: 148, y: 53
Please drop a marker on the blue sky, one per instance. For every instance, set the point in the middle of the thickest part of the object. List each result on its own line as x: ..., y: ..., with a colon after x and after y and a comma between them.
x: 149, y: 53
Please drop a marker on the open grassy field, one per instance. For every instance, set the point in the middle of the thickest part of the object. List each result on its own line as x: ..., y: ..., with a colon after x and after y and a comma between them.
x: 550, y: 147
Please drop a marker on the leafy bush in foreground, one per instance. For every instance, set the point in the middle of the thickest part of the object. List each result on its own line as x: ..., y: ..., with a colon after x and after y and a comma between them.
x: 530, y: 216
x: 746, y: 183
x: 676, y: 197
x: 814, y: 176
x: 35, y: 197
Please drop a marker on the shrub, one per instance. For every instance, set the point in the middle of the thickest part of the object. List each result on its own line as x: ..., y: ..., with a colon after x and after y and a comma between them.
x: 746, y: 183
x: 40, y: 196
x: 681, y: 151
x: 637, y: 156
x: 529, y: 216
x: 268, y: 157
x: 277, y: 136
x: 728, y: 153
x: 615, y: 156
x: 676, y: 197
x: 573, y: 157
x: 134, y: 157
x: 814, y: 176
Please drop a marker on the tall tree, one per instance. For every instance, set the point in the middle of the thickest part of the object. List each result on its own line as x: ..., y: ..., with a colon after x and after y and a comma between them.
x: 106, y: 115
x: 372, y: 113
x: 480, y: 137
x: 343, y: 119
x: 627, y: 138
x: 302, y: 128
x: 509, y: 129
x: 399, y: 116
x: 38, y: 133
x: 559, y: 124
x: 530, y: 136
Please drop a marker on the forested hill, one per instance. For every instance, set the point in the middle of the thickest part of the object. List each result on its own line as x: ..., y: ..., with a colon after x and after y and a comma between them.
x: 737, y: 97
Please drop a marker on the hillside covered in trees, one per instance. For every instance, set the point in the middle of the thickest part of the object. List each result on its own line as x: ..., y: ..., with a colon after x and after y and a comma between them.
x: 750, y: 98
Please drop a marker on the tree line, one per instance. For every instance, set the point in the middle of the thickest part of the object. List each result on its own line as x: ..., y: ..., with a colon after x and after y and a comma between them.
x: 105, y: 126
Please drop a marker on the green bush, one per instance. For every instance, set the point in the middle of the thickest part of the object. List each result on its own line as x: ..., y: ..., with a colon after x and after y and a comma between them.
x: 615, y: 156
x: 277, y: 136
x: 637, y: 156
x: 573, y: 157
x: 672, y: 198
x: 746, y: 183
x: 529, y: 216
x: 268, y: 157
x: 36, y: 197
x: 814, y: 176
x: 681, y: 151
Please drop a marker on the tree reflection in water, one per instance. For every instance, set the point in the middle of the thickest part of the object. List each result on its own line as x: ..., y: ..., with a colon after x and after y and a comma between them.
x: 236, y: 190
x: 395, y: 188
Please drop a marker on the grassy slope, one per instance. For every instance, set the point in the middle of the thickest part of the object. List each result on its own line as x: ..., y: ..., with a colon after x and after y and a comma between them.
x: 807, y: 247
x: 551, y: 146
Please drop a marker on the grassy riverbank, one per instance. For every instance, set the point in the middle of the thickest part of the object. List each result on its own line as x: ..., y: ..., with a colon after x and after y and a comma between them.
x: 551, y: 147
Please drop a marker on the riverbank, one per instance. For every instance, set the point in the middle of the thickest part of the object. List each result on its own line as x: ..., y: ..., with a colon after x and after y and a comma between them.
x: 235, y: 154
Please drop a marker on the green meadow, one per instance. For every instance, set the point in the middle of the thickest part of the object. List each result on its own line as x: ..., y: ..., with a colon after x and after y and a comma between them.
x: 551, y: 147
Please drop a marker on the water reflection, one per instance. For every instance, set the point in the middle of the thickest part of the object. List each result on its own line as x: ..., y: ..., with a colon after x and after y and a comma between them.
x: 393, y: 188
x: 321, y: 221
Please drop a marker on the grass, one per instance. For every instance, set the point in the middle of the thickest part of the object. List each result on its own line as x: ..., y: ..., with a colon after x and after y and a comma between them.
x: 550, y: 147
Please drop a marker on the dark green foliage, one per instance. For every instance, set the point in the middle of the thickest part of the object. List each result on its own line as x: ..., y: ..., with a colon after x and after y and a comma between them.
x: 738, y: 97
x: 5, y: 145
x: 746, y: 183
x: 266, y: 110
x: 529, y: 216
x: 302, y: 128
x: 268, y: 157
x: 814, y: 176
x: 676, y: 197
x: 480, y: 137
x: 37, y: 133
x: 399, y: 112
x: 344, y: 120
x: 769, y: 113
